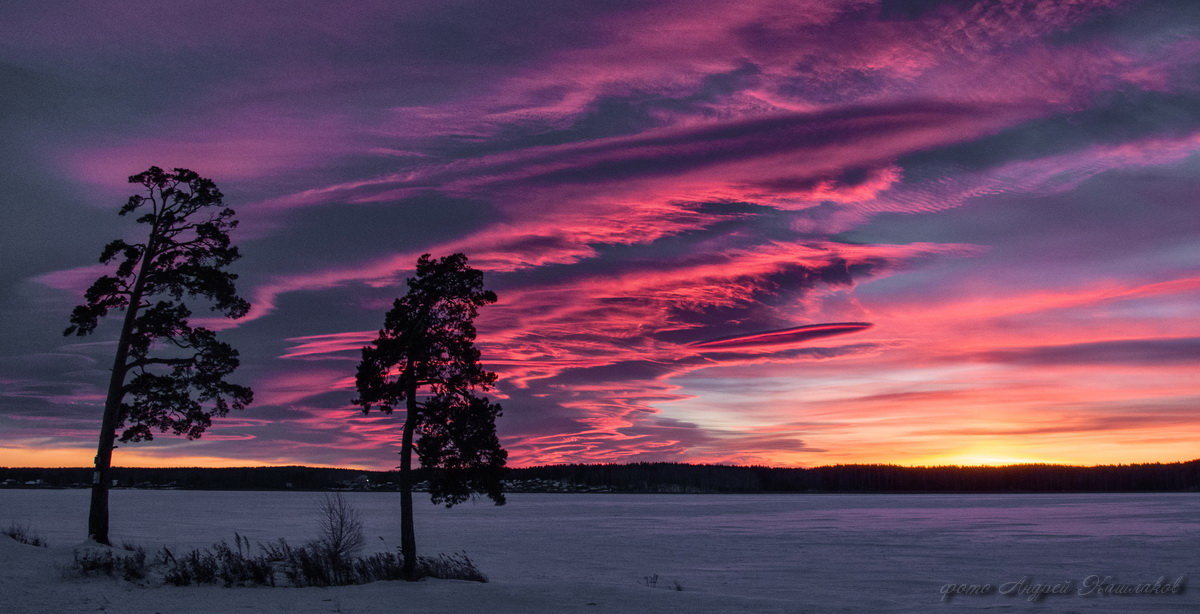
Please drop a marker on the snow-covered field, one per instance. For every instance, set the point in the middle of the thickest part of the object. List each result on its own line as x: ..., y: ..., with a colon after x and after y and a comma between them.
x: 592, y: 553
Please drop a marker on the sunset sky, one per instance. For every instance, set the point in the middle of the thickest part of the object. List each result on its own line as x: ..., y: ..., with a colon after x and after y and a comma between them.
x: 788, y: 233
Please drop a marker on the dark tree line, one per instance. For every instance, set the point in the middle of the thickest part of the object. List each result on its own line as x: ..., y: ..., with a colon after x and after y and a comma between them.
x: 196, y: 478
x: 676, y: 477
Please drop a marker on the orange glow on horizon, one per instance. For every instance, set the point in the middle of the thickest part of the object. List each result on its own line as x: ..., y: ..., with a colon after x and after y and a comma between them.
x: 81, y: 457
x: 995, y: 454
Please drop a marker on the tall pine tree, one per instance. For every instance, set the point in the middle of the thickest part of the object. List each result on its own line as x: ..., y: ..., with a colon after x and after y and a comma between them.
x: 167, y: 375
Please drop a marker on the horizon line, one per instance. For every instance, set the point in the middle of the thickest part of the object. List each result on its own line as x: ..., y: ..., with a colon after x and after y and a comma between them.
x: 952, y: 466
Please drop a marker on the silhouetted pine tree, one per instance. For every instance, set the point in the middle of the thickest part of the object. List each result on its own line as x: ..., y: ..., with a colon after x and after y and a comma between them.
x: 167, y: 375
x: 425, y: 361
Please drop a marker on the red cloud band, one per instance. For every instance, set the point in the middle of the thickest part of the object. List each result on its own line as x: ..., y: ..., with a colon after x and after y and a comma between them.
x: 783, y: 336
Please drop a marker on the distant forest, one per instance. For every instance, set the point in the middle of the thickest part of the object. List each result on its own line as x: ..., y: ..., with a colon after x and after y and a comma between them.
x: 662, y: 478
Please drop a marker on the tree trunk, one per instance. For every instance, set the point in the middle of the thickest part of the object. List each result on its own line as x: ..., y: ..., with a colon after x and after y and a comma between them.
x: 98, y: 513
x: 408, y: 543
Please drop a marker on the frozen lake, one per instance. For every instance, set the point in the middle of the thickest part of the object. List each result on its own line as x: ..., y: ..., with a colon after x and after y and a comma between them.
x: 802, y: 552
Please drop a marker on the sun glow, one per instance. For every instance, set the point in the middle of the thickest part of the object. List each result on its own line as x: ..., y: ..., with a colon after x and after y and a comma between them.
x: 986, y: 455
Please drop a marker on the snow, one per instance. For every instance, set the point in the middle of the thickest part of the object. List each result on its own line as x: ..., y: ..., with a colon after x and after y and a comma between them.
x: 592, y: 553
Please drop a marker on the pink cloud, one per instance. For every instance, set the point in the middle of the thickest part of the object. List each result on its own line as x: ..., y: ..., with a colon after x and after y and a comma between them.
x: 324, y: 345
x: 806, y: 110
x: 778, y: 339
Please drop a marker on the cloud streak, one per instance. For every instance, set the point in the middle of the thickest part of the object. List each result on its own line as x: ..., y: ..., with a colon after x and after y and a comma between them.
x: 782, y: 338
